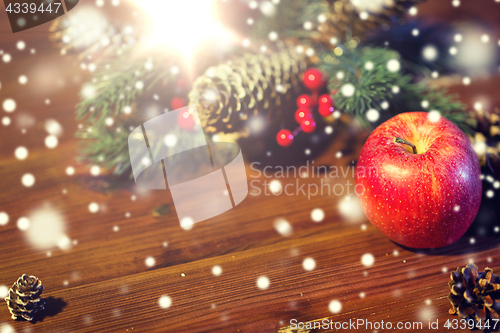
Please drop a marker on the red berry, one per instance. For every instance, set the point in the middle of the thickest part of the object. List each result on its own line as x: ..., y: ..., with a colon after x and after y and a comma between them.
x: 313, y: 79
x: 308, y: 126
x: 185, y: 120
x: 284, y: 138
x: 304, y: 101
x: 302, y: 114
x: 177, y: 103
x: 325, y: 99
x: 325, y: 110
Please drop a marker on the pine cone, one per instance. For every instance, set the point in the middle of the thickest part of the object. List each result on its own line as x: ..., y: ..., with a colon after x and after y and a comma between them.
x: 486, y: 140
x: 254, y: 83
x: 475, y: 295
x: 24, y: 297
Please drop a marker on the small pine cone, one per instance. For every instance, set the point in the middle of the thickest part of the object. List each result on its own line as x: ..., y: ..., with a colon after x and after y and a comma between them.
x: 488, y: 122
x: 475, y: 295
x: 486, y: 140
x: 24, y: 297
x: 254, y: 83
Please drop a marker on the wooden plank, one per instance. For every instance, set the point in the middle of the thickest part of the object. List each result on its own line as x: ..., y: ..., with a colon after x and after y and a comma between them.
x: 102, y: 282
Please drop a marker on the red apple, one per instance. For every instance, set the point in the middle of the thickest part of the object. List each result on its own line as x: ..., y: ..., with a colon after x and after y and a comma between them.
x: 425, y: 199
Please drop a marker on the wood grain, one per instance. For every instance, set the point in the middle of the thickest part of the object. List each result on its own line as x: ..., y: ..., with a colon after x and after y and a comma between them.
x: 102, y: 283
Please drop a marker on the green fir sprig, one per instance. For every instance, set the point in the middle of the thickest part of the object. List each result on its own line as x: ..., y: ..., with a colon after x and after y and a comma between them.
x: 109, y: 109
x: 378, y: 80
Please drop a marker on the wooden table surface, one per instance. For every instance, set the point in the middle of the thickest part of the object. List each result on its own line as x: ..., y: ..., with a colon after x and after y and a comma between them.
x: 100, y: 282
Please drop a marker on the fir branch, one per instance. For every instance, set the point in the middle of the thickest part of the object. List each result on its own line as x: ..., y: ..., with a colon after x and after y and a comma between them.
x: 105, y: 146
x: 367, y: 70
x: 119, y: 83
x: 71, y: 34
x: 340, y: 19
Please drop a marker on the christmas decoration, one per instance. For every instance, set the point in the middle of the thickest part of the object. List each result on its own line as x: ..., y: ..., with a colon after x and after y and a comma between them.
x: 313, y: 79
x: 372, y: 78
x: 330, y: 21
x: 177, y: 103
x: 186, y: 120
x: 475, y: 296
x: 486, y: 139
x: 302, y: 114
x: 308, y: 126
x: 304, y: 101
x: 252, y: 87
x: 404, y: 188
x: 227, y: 95
x: 24, y: 298
x: 325, y: 110
x: 284, y: 138
x: 325, y: 99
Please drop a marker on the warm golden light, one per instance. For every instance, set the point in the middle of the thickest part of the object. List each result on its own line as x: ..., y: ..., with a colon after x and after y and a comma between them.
x: 182, y: 24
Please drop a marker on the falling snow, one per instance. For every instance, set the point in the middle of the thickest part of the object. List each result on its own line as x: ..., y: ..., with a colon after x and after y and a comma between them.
x: 93, y: 207
x: 51, y: 141
x: 95, y: 170
x: 4, y: 291
x: 263, y: 282
x: 6, y: 328
x: 350, y: 208
x: 150, y: 261
x: 4, y: 219
x: 283, y: 227
x: 393, y: 65
x: 317, y: 215
x: 335, y: 306
x: 164, y: 302
x: 216, y: 270
x: 21, y: 153
x: 23, y: 79
x: 434, y: 116
x: 372, y: 115
x: 347, y: 90
x: 309, y: 264
x: 9, y: 105
x: 275, y: 186
x: 23, y: 223
x: 187, y: 223
x: 28, y: 180
x: 367, y: 259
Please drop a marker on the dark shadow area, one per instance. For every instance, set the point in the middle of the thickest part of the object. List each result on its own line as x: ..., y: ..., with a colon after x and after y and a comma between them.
x: 53, y: 306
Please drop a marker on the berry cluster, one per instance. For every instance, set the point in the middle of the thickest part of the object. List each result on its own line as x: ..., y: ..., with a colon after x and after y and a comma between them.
x: 314, y: 80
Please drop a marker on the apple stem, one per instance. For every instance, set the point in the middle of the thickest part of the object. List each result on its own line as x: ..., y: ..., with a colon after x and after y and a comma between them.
x: 403, y: 141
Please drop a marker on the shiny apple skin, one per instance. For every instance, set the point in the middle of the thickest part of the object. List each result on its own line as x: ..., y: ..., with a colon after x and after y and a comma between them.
x: 426, y: 200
